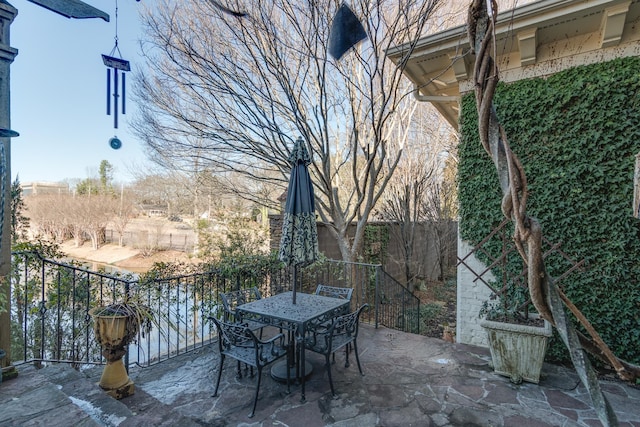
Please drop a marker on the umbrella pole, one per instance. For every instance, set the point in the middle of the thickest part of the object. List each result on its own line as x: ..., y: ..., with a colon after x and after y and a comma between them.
x: 295, y: 280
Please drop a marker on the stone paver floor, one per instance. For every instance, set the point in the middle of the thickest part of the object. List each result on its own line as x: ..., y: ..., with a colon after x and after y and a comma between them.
x: 409, y: 380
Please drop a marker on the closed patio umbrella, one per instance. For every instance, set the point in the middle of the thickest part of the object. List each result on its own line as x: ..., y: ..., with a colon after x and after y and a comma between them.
x: 299, y: 242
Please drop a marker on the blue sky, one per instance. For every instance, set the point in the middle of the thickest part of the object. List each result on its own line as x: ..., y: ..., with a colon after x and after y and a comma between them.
x: 58, y: 93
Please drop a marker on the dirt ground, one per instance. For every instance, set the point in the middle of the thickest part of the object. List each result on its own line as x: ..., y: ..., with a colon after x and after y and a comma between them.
x: 438, y: 301
x: 123, y: 257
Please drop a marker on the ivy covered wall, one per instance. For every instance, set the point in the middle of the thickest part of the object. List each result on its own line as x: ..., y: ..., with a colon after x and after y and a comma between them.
x: 577, y: 133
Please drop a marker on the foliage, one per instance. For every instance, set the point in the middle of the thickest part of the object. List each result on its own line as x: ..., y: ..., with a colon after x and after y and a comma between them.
x: 19, y: 221
x: 140, y: 318
x: 428, y: 312
x: 230, y: 235
x: 577, y: 133
x: 101, y: 185
x: 160, y: 270
x: 88, y: 186
x: 45, y: 248
x: 106, y: 177
x: 252, y: 266
x: 3, y: 297
x: 35, y: 290
x: 19, y: 227
x: 376, y: 242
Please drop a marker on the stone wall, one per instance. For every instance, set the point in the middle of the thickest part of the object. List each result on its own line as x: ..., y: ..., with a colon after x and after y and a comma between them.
x: 425, y: 254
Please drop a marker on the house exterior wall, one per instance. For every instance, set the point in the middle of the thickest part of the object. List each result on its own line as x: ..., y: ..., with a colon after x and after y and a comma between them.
x: 471, y: 293
x: 561, y: 55
x: 554, y: 56
x: 35, y: 188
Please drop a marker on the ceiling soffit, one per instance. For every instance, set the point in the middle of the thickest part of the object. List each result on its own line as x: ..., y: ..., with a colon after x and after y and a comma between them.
x: 534, y: 40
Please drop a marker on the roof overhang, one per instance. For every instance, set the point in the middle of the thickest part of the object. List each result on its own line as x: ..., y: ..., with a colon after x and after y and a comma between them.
x: 533, y: 40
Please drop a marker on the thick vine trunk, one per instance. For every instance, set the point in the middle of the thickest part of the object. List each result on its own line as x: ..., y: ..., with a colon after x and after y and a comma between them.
x: 544, y: 294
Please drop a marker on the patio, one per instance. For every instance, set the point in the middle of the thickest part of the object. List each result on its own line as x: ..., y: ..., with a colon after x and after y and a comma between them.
x: 410, y: 380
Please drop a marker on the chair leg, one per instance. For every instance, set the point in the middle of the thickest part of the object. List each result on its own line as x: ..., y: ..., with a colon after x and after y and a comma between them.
x: 255, y: 399
x: 215, y: 393
x: 346, y: 356
x: 355, y: 350
x: 328, y: 365
x: 288, y: 375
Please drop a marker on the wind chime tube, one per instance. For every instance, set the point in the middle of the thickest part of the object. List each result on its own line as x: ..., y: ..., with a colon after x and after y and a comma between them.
x: 108, y: 91
x: 123, y: 97
x: 115, y: 98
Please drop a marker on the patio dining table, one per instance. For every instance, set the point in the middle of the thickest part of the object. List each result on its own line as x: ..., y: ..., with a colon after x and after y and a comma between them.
x: 280, y: 311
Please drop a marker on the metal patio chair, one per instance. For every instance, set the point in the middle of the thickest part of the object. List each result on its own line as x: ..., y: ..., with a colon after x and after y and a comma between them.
x: 334, y: 292
x: 230, y: 300
x: 342, y: 332
x: 239, y: 342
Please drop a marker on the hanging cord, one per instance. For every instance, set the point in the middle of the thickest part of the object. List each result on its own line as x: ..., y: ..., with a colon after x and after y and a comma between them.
x: 115, y: 38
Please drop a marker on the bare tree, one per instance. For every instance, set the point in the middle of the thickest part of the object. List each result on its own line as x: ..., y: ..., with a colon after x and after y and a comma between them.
x: 405, y: 206
x: 71, y: 213
x: 97, y: 212
x: 235, y: 92
x: 415, y: 194
x: 158, y: 189
x: 46, y: 220
x: 60, y: 216
x: 123, y: 214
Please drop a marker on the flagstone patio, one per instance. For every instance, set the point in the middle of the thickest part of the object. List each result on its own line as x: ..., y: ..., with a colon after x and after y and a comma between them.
x: 409, y: 380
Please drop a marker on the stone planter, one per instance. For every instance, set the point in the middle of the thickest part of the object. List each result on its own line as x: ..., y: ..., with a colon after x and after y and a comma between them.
x: 517, y: 351
x: 114, y: 334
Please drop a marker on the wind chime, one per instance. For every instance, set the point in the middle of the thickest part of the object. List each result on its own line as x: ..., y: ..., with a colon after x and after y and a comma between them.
x: 119, y: 66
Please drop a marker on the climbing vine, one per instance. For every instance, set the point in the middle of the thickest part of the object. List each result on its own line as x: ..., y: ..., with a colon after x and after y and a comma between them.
x: 577, y: 133
x: 376, y: 242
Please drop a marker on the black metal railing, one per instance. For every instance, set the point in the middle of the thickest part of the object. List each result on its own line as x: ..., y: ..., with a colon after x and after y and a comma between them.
x: 51, y: 300
x: 394, y: 306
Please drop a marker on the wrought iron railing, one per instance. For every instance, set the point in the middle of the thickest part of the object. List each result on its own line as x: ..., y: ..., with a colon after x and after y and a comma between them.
x: 394, y: 306
x: 51, y: 300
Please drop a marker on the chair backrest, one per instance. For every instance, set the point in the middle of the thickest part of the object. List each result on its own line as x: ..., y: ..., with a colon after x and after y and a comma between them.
x: 230, y: 300
x: 238, y: 341
x: 343, y: 330
x: 334, y: 292
x: 347, y: 324
x: 234, y: 335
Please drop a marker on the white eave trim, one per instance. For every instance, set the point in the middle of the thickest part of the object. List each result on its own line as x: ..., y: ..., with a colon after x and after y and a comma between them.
x: 520, y: 19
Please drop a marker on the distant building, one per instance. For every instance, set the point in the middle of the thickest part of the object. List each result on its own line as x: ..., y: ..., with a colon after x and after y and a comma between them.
x: 35, y: 188
x: 154, y: 210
